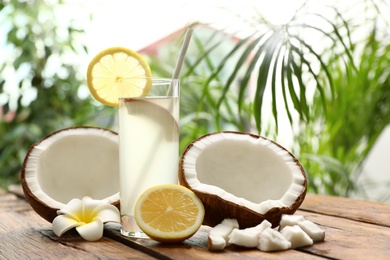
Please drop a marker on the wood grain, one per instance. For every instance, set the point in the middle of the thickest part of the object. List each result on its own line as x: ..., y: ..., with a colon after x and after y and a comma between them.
x: 354, y: 230
x: 25, y: 235
x: 360, y: 210
x: 196, y: 248
x: 349, y: 239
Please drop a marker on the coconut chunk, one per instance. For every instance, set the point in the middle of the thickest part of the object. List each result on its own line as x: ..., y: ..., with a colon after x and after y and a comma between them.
x: 296, y: 236
x: 262, y: 226
x: 216, y: 243
x: 224, y: 228
x: 218, y: 236
x: 244, y: 237
x: 272, y: 240
x: 316, y: 233
x: 290, y: 220
x: 248, y: 237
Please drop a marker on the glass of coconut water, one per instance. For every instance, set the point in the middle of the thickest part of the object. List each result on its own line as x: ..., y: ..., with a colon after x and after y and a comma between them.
x: 148, y: 145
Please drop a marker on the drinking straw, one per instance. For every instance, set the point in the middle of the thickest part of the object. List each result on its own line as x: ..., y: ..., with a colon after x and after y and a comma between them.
x: 182, y: 54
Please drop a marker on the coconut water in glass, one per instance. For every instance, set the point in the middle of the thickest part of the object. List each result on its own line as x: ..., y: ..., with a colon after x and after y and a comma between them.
x: 148, y: 145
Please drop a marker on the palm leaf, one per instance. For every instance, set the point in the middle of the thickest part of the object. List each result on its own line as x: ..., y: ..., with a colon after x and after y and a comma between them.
x: 268, y: 52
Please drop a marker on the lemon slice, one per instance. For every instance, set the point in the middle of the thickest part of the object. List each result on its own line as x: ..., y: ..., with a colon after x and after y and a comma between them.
x: 169, y: 213
x: 118, y: 72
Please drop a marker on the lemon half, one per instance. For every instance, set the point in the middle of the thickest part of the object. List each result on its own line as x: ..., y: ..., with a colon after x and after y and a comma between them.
x: 169, y: 213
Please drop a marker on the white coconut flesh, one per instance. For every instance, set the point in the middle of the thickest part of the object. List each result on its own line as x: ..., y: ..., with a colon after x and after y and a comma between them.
x: 251, y: 172
x: 74, y: 163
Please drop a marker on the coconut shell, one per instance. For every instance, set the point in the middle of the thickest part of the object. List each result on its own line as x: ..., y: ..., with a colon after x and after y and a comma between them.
x: 217, y: 209
x: 40, y: 207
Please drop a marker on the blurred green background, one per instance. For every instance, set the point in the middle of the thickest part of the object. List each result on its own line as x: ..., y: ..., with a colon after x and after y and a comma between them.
x: 318, y: 83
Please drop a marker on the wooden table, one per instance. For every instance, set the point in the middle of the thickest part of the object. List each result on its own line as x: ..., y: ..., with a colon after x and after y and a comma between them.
x: 354, y: 230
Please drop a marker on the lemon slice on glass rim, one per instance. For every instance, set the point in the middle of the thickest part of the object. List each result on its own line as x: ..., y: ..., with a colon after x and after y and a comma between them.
x: 118, y: 72
x: 169, y: 213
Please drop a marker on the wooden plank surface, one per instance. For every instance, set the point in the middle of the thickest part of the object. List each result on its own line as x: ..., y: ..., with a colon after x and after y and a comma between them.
x: 196, y: 248
x: 349, y: 239
x: 25, y: 235
x: 354, y: 230
x: 364, y: 211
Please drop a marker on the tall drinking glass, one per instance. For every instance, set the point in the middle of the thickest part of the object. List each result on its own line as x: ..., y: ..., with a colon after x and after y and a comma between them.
x: 148, y: 145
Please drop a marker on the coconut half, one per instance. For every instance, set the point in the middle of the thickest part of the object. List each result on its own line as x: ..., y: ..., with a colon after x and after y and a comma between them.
x: 244, y: 177
x: 71, y: 163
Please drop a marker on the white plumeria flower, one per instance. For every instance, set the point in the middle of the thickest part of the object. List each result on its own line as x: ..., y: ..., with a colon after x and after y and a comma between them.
x: 87, y: 216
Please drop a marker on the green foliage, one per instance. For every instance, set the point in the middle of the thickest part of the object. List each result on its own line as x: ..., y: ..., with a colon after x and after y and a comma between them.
x: 325, y: 73
x: 202, y: 110
x: 357, y: 113
x: 39, y: 85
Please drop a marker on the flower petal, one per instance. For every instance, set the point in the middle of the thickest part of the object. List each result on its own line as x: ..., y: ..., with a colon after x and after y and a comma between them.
x: 89, y: 205
x: 107, y: 213
x: 63, y: 223
x: 72, y: 209
x: 92, y: 203
x: 92, y: 231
